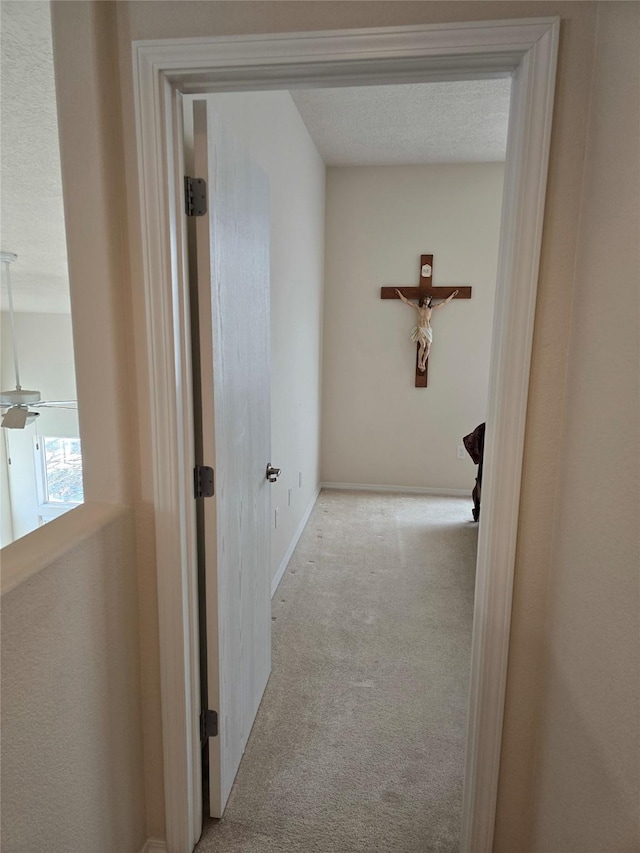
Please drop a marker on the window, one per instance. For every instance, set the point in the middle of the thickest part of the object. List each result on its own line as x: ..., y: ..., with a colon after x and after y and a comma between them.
x: 58, y: 474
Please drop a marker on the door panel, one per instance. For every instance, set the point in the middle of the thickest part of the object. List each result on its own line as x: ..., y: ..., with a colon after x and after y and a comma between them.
x: 234, y: 325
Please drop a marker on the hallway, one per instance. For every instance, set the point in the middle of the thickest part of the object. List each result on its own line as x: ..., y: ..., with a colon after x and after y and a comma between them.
x: 358, y: 745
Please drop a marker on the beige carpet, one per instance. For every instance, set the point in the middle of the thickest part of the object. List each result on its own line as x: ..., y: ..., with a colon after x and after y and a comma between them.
x: 359, y: 741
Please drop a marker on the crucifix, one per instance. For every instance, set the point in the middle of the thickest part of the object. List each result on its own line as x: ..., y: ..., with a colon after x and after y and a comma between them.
x: 425, y: 293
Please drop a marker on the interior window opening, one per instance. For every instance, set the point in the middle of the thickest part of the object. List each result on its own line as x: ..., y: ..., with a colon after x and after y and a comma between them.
x: 40, y: 450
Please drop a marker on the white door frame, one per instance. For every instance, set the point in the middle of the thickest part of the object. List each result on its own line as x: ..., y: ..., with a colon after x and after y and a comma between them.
x: 163, y: 71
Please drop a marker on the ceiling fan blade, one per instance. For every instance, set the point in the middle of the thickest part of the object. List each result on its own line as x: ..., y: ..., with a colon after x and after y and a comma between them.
x: 68, y: 404
x: 15, y: 418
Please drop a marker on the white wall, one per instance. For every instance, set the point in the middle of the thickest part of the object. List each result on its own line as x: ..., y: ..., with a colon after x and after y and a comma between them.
x: 45, y: 352
x: 587, y: 769
x: 271, y: 128
x: 377, y: 428
x: 71, y: 730
x: 73, y: 776
x: 100, y: 159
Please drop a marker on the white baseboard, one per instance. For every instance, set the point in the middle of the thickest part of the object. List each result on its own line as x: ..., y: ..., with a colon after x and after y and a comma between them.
x: 154, y: 845
x: 292, y: 545
x: 411, y: 490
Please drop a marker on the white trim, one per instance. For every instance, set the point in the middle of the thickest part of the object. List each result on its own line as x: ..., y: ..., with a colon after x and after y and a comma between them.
x: 154, y: 845
x: 525, y: 48
x: 532, y: 96
x: 282, y: 568
x: 408, y: 490
x: 171, y: 427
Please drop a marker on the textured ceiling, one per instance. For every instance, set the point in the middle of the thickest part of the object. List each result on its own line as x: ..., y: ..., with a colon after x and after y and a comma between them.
x: 32, y: 220
x: 460, y: 122
x: 417, y: 123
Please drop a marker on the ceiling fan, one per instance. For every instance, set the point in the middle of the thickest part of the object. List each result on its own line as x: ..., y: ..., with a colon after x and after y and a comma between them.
x: 16, y: 404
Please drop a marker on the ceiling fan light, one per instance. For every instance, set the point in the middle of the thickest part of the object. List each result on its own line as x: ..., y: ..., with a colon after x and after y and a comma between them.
x: 18, y: 417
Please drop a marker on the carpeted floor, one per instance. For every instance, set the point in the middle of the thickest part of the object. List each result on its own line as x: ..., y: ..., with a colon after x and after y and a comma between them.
x: 358, y: 745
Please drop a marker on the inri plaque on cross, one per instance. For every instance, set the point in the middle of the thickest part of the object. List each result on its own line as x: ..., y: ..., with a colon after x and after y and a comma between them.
x: 424, y: 293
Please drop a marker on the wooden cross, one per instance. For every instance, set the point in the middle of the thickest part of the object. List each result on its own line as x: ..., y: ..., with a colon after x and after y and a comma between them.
x: 421, y: 292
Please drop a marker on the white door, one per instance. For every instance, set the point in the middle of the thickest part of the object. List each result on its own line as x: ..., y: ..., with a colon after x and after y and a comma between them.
x: 233, y: 325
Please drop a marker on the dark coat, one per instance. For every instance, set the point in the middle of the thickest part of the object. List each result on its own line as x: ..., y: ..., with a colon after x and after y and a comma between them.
x: 474, y: 444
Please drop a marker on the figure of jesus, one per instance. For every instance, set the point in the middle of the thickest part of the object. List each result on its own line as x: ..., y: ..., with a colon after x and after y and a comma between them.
x: 422, y: 333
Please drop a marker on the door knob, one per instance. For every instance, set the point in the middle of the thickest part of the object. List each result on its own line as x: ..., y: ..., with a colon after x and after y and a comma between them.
x: 272, y: 473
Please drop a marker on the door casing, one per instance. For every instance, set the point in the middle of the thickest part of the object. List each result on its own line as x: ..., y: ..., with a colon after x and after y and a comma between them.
x: 524, y: 49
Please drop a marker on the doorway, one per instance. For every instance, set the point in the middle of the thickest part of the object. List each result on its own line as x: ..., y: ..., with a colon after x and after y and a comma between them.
x: 526, y: 51
x: 381, y: 432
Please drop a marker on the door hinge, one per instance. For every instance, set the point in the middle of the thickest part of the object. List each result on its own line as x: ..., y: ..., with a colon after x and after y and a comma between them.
x: 203, y: 482
x: 195, y: 196
x: 208, y: 724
